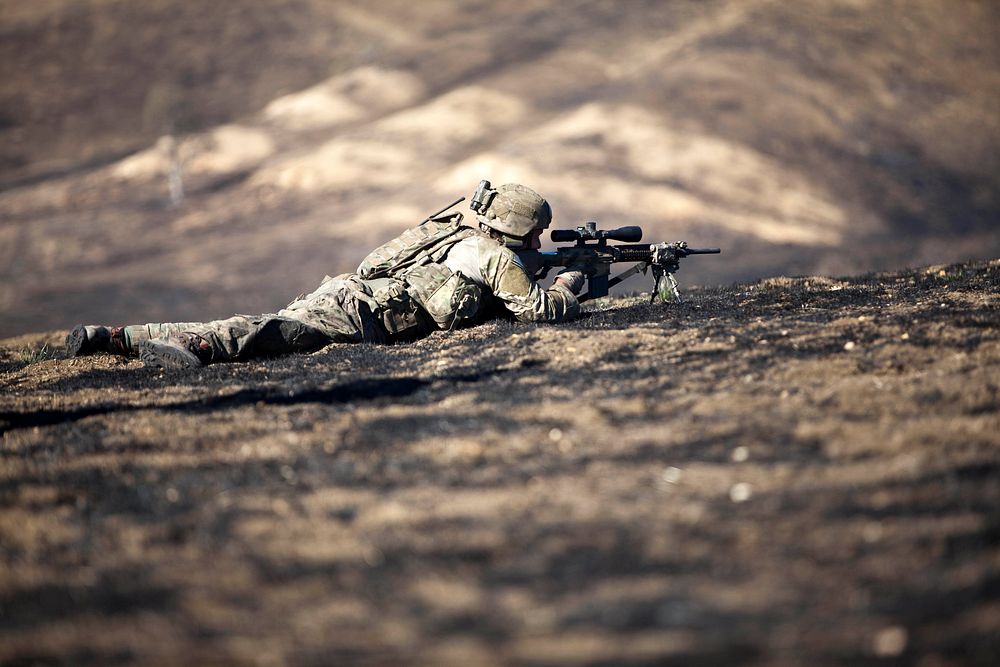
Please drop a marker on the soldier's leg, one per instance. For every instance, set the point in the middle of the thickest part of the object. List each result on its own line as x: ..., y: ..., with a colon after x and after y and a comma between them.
x: 136, y: 334
x: 244, y: 337
x: 237, y: 338
x: 123, y: 340
x: 240, y: 336
x: 343, y: 309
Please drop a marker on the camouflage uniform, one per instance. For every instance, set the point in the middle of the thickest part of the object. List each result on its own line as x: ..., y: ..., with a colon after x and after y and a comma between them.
x: 439, y: 275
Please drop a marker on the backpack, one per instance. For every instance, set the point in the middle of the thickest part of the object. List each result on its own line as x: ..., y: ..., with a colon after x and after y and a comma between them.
x: 411, y: 259
x: 419, y: 245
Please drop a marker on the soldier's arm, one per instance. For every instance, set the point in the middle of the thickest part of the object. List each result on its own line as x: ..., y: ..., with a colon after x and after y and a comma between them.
x: 521, y: 295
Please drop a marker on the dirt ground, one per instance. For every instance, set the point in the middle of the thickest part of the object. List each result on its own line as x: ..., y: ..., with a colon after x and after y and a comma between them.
x: 798, y: 470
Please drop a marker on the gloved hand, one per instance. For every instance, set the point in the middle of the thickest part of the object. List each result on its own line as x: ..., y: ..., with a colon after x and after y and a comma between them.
x: 572, y: 279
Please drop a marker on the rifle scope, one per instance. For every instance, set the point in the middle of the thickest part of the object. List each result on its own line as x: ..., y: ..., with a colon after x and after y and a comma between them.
x: 590, y: 232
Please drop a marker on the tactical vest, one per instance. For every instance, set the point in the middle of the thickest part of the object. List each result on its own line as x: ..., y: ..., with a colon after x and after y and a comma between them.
x: 408, y: 280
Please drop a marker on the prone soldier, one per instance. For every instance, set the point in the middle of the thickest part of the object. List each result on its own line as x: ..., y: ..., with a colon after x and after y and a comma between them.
x: 441, y: 274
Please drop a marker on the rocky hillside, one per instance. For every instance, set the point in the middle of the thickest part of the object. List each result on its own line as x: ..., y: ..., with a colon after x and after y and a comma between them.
x: 816, y: 137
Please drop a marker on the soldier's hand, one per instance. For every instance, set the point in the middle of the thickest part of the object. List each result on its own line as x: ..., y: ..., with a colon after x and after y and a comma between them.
x: 571, y: 279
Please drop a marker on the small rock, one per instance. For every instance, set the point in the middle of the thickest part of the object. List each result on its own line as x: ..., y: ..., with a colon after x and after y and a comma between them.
x: 891, y: 641
x: 740, y: 454
x: 740, y: 492
x: 555, y: 434
x: 849, y: 345
x: 372, y: 557
x: 872, y: 532
x: 671, y: 475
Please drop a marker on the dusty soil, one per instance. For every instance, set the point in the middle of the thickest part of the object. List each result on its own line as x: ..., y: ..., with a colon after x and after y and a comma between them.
x: 788, y: 472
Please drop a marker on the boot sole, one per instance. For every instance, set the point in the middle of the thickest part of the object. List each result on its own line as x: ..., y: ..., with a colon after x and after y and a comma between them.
x: 76, y: 341
x: 164, y: 355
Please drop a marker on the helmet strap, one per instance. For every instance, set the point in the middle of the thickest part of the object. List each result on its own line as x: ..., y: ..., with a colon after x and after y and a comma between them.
x: 500, y: 237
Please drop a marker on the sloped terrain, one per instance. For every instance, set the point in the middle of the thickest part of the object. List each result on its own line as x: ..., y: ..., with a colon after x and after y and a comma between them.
x: 784, y: 472
x: 819, y: 137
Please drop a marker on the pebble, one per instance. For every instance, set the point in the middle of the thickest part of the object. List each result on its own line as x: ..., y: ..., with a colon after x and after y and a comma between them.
x: 849, y: 345
x: 872, y: 532
x: 740, y: 454
x: 740, y: 492
x: 890, y: 642
x: 671, y: 475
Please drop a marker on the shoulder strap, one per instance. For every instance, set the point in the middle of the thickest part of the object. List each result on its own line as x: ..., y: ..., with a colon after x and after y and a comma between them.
x: 418, y: 245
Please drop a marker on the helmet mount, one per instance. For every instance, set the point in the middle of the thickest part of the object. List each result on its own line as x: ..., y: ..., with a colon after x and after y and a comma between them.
x: 482, y: 198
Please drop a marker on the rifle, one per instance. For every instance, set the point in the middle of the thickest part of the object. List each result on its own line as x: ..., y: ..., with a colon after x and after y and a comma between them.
x: 594, y: 257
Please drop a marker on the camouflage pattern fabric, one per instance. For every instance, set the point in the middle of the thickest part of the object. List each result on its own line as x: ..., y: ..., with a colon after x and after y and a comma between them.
x: 503, y: 276
x: 339, y: 311
x: 456, y: 285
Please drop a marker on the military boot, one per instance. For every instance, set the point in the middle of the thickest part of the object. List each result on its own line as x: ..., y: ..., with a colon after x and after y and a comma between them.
x: 84, y: 340
x: 183, y: 350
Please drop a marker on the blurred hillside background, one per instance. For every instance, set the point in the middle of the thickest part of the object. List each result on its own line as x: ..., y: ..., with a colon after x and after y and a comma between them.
x: 171, y: 160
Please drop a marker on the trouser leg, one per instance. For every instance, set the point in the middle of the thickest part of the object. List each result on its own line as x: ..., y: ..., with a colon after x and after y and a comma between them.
x: 244, y: 337
x: 237, y: 337
x: 341, y: 311
x: 137, y: 333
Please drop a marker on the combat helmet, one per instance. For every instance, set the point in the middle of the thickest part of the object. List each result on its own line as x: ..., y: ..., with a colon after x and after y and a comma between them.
x: 512, y: 209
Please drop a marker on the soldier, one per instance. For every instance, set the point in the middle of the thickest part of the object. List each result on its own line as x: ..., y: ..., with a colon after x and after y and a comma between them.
x: 441, y: 274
